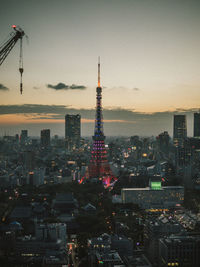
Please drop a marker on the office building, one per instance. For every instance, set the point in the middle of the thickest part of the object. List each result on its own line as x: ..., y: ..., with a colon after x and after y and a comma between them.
x: 154, y: 197
x: 197, y: 124
x: 156, y: 228
x: 163, y: 142
x: 28, y: 160
x: 23, y: 137
x: 72, y: 131
x: 180, y: 130
x: 45, y: 138
x: 179, y: 251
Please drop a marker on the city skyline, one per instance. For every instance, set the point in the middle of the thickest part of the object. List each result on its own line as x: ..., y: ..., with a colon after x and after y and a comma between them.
x: 149, y: 57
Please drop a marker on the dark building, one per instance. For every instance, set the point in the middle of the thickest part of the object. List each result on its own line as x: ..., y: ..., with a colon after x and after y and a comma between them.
x: 45, y: 138
x: 197, y: 124
x: 29, y: 160
x: 184, y: 154
x: 180, y: 129
x: 163, y: 142
x: 65, y: 203
x: 72, y: 130
x: 184, y: 161
x: 23, y: 136
x: 179, y: 251
x: 155, y: 229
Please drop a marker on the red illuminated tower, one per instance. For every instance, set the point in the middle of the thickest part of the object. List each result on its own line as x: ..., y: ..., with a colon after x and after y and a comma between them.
x: 99, y: 166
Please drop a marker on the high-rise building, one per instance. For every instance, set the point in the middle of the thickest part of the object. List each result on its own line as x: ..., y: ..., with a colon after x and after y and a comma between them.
x: 45, y: 138
x: 197, y: 124
x: 184, y: 160
x: 29, y: 160
x: 163, y: 141
x: 72, y: 130
x: 23, y: 136
x: 180, y: 130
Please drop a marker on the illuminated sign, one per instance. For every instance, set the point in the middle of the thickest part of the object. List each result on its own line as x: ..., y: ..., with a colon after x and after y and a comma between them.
x: 156, y: 185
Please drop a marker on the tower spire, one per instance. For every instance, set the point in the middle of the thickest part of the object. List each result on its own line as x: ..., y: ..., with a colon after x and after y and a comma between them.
x: 98, y: 71
x: 99, y: 167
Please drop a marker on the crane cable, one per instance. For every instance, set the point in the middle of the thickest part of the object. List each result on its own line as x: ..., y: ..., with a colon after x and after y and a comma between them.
x: 21, y: 66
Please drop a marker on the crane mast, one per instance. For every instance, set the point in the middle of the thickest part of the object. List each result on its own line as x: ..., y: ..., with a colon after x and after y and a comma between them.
x: 7, y: 47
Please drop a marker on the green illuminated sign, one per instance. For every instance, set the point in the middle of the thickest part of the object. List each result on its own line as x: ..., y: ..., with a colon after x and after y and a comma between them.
x: 156, y: 185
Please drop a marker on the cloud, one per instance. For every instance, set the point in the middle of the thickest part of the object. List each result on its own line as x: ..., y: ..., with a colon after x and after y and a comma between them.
x: 117, y: 121
x: 3, y: 87
x: 32, y: 109
x: 136, y: 89
x: 36, y: 88
x: 63, y: 86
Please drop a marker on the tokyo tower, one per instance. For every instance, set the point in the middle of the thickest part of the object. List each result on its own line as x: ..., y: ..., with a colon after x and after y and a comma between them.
x: 99, y: 167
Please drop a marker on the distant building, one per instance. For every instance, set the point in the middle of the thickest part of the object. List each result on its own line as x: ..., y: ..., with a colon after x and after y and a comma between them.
x: 51, y: 231
x: 103, y: 250
x: 122, y: 245
x: 179, y: 251
x: 28, y: 249
x: 65, y: 203
x: 45, y: 138
x: 110, y: 259
x: 72, y: 131
x: 21, y: 214
x: 156, y: 228
x: 23, y: 136
x: 197, y: 124
x: 154, y: 197
x: 163, y: 142
x: 29, y: 160
x: 36, y: 177
x: 180, y: 129
x: 184, y: 156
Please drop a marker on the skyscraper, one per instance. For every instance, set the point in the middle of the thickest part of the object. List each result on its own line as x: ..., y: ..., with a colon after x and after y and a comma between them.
x: 23, y: 137
x: 45, y: 138
x: 180, y: 130
x: 197, y: 124
x: 72, y: 130
x: 163, y: 141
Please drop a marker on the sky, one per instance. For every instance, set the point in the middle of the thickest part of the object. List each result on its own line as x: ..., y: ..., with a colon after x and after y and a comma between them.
x: 150, y: 64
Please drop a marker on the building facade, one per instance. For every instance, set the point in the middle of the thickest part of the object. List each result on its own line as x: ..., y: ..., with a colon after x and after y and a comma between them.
x: 45, y: 138
x: 197, y: 124
x: 179, y: 251
x: 72, y: 131
x: 23, y: 137
x: 155, y: 197
x: 180, y: 130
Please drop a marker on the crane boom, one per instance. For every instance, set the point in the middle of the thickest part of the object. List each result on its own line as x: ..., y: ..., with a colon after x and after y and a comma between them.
x: 7, y: 47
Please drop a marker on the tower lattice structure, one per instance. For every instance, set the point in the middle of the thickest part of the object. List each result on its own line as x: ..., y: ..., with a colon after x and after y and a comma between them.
x: 99, y: 166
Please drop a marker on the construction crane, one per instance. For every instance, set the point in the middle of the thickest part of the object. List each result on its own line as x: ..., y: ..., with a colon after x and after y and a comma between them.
x: 7, y: 47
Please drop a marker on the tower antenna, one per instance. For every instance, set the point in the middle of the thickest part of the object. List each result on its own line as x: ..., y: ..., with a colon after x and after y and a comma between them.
x: 98, y: 71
